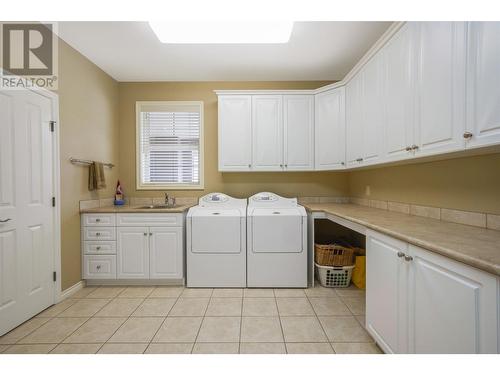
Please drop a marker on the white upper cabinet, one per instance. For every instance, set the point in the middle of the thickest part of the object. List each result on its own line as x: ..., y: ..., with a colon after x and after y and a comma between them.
x: 235, y: 132
x: 483, y: 84
x: 365, y: 115
x: 398, y: 83
x: 354, y: 121
x: 267, y: 132
x: 298, y: 135
x: 329, y: 145
x: 440, y: 87
x: 373, y: 116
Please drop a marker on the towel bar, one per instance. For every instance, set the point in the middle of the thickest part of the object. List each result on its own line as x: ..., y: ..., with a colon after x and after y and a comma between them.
x: 88, y: 162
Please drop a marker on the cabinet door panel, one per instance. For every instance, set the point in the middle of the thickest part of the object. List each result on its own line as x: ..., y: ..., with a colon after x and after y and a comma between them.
x: 267, y: 130
x: 398, y: 78
x: 354, y: 121
x: 298, y: 127
x: 452, y: 306
x: 330, y: 139
x: 235, y: 132
x: 372, y: 129
x: 440, y: 121
x: 166, y: 253
x: 483, y: 83
x: 386, y: 276
x: 133, y: 253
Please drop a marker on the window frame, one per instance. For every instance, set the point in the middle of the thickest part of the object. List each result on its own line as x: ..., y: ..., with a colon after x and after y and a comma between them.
x: 150, y: 186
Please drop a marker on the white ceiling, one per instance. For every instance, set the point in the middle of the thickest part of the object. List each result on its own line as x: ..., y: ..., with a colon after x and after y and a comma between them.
x: 130, y: 51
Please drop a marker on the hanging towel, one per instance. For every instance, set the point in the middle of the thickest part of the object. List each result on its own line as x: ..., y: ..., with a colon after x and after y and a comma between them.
x: 96, y: 176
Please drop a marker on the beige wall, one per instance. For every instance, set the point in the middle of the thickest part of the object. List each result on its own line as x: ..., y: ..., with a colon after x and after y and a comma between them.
x: 88, y: 107
x: 237, y: 184
x: 470, y: 183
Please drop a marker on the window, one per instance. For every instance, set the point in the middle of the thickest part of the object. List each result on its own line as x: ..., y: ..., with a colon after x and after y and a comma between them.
x: 169, y: 145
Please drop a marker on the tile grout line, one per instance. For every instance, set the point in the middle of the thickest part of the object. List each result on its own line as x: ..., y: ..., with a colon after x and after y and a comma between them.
x: 159, y: 327
x: 281, y: 324
x: 202, y: 320
x: 241, y: 322
x: 121, y: 325
x: 320, y: 324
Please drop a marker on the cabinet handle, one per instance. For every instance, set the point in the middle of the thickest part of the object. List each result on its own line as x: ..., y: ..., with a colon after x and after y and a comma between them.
x: 145, y: 234
x: 467, y: 135
x: 408, y: 258
x: 97, y: 220
x: 359, y: 159
x: 408, y: 148
x: 401, y: 254
x: 342, y: 163
x: 150, y: 234
x: 281, y: 165
x: 414, y: 147
x: 98, y: 234
x: 249, y: 165
x: 286, y: 165
x: 98, y: 248
x: 98, y: 267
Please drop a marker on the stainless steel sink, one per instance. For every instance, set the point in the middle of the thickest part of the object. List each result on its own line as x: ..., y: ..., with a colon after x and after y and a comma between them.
x: 158, y: 206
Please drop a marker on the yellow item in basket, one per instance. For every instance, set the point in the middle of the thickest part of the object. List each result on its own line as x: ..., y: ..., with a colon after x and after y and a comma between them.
x: 359, y: 272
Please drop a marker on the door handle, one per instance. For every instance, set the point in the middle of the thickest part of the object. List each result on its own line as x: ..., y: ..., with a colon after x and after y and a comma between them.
x: 5, y: 220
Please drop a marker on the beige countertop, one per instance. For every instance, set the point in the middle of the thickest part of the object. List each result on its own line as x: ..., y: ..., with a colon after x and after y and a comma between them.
x: 136, y: 209
x: 474, y: 246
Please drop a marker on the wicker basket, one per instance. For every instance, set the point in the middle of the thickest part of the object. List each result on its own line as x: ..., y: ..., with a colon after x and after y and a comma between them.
x: 333, y: 255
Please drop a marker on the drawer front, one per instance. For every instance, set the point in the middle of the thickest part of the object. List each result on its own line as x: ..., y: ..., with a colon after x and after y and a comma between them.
x: 154, y: 219
x: 99, y: 233
x: 104, y: 220
x: 99, y: 267
x: 98, y: 247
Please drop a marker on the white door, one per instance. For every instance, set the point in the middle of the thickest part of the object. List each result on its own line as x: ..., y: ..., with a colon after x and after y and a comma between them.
x: 372, y: 104
x: 235, y: 132
x: 267, y: 130
x: 132, y: 253
x: 452, y: 307
x: 165, y: 253
x: 354, y: 122
x: 27, y: 218
x: 298, y: 125
x: 386, y: 289
x: 440, y: 91
x: 329, y: 125
x: 483, y: 84
x: 398, y: 83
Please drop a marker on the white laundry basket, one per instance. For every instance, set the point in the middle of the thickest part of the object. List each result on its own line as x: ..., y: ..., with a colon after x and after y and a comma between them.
x: 334, y: 277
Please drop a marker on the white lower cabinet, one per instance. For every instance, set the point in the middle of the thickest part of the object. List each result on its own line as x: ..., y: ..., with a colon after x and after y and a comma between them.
x: 133, y: 253
x: 420, y: 302
x: 165, y: 253
x: 143, y: 246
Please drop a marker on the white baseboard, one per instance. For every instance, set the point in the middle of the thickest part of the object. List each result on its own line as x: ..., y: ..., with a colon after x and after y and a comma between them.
x: 72, y: 290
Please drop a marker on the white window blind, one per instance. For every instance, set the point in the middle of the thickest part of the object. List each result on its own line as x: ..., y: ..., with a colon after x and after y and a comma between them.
x: 169, y: 143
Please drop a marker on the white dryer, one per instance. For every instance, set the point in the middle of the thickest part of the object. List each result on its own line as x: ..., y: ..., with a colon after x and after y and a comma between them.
x: 216, y: 242
x: 276, y: 242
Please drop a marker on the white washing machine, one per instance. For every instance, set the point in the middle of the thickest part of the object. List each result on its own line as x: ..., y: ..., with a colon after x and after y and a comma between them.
x: 276, y: 242
x: 216, y: 242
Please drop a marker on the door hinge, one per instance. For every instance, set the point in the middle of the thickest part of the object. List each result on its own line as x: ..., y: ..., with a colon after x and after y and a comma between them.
x: 53, y: 201
x: 54, y: 276
x: 52, y: 126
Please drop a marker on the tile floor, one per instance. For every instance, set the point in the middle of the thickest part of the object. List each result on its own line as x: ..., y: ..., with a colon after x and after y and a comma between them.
x: 180, y: 320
